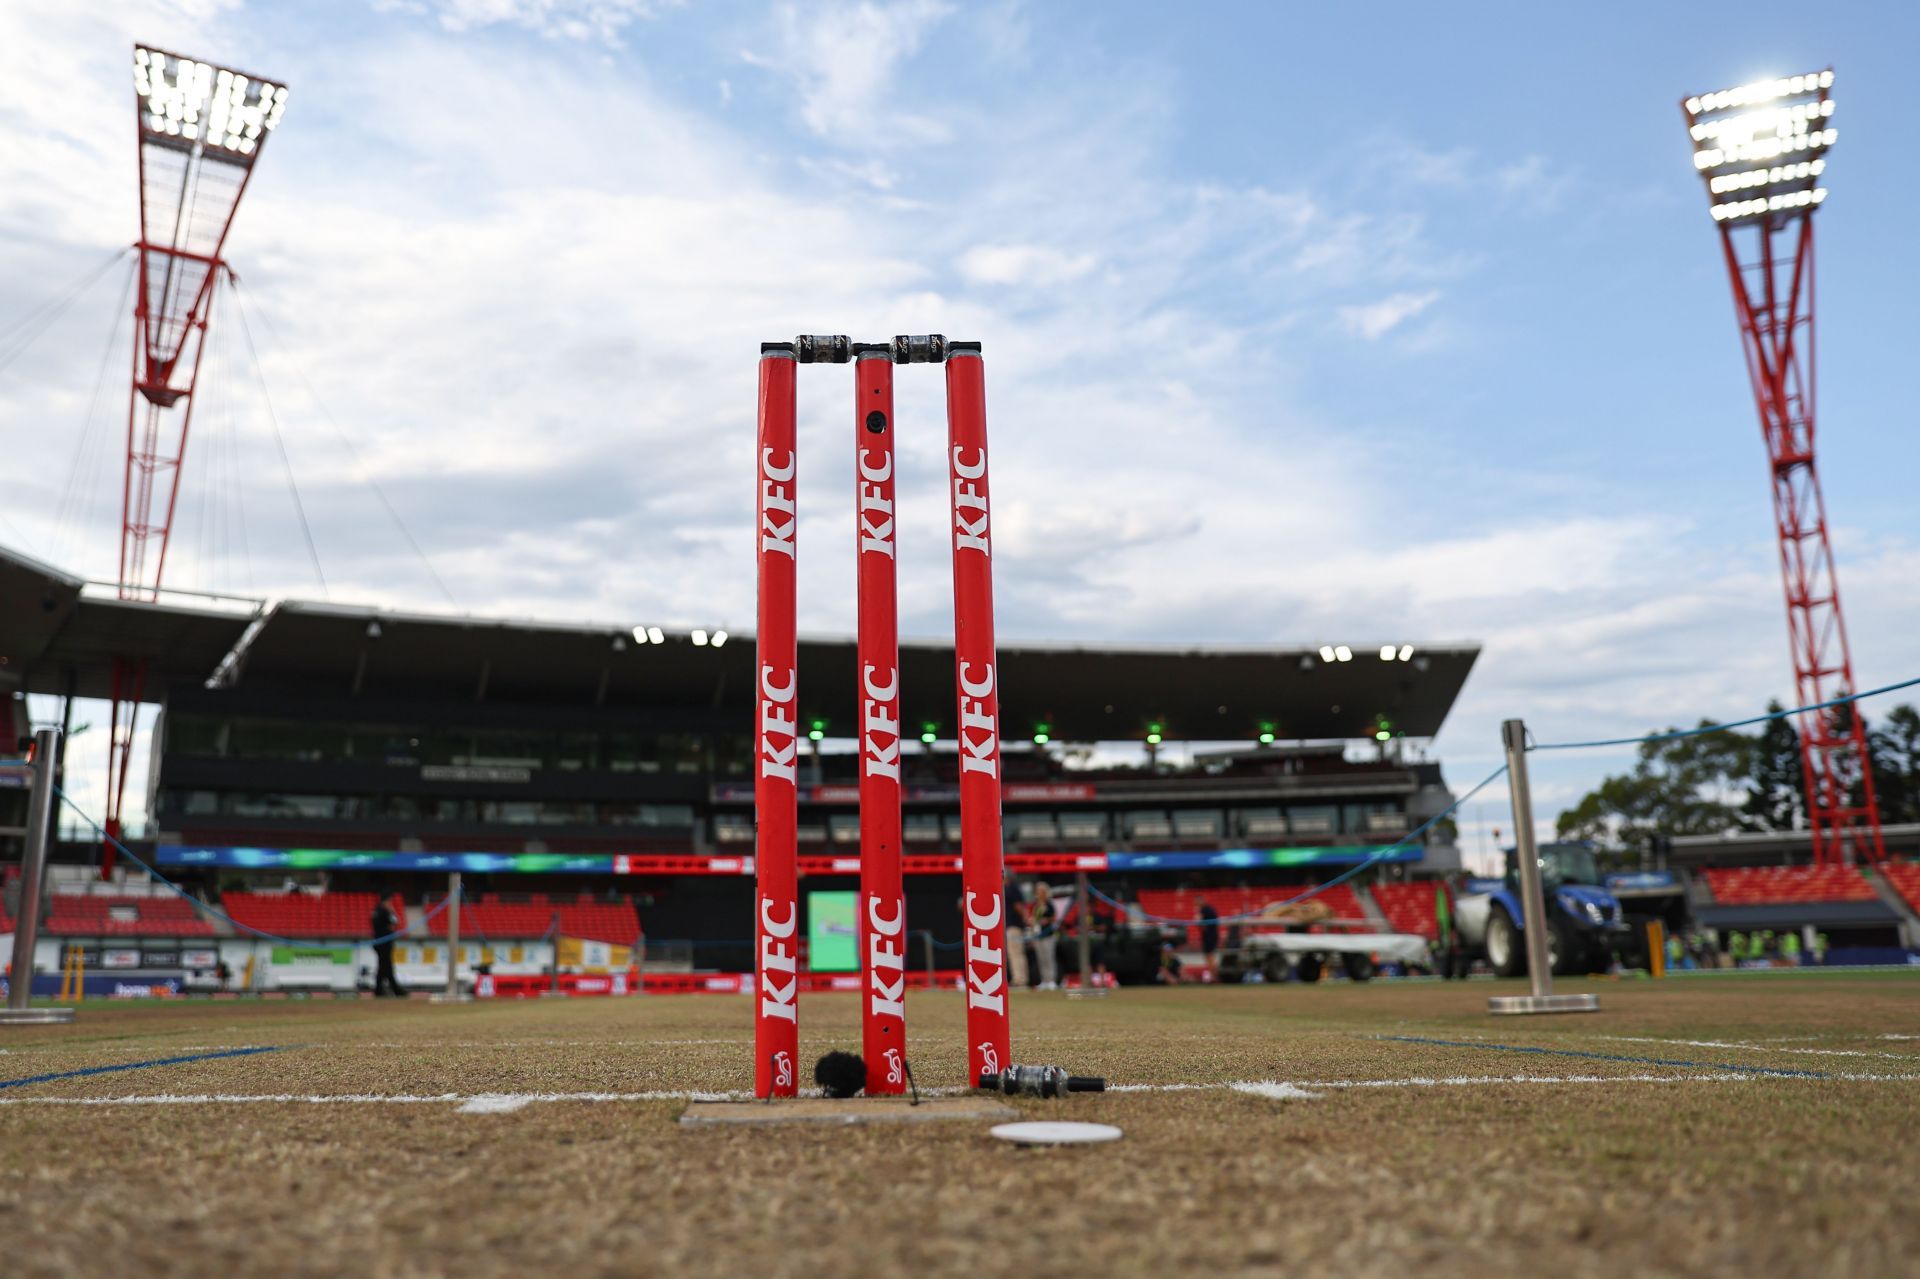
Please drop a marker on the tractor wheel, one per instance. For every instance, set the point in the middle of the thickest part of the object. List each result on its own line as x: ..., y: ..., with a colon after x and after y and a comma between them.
x: 1504, y: 948
x: 1359, y: 967
x: 1309, y: 968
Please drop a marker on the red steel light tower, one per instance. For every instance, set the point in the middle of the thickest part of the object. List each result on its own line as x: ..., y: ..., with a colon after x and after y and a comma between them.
x: 200, y: 130
x: 1761, y: 148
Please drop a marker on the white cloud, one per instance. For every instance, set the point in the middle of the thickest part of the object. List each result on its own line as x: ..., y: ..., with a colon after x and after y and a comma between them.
x: 842, y: 60
x: 601, y: 20
x: 1028, y: 264
x: 1374, y: 320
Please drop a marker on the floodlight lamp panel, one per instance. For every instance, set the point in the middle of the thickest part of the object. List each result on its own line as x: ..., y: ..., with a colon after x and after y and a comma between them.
x: 216, y: 109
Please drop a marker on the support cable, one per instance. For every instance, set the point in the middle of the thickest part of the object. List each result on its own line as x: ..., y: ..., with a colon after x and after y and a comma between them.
x: 13, y: 345
x: 286, y: 462
x: 70, y: 505
x: 366, y: 475
x: 1721, y: 728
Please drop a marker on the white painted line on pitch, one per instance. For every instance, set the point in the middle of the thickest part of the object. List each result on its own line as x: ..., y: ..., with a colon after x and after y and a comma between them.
x: 1757, y: 1048
x: 1280, y: 1090
x: 494, y: 1104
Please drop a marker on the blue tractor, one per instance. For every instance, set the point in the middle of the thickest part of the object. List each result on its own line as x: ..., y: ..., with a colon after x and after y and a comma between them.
x: 1586, y: 928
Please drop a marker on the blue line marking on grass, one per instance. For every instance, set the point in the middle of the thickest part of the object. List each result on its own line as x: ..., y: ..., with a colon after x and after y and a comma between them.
x: 136, y: 1065
x: 1643, y: 1061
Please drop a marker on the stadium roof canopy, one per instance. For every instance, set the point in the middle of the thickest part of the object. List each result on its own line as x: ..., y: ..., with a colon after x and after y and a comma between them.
x: 57, y: 636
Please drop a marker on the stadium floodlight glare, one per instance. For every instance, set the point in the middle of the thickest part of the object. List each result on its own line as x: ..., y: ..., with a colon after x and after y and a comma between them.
x: 1388, y: 652
x: 719, y: 638
x: 1758, y: 146
x: 1344, y: 653
x: 656, y: 635
x: 639, y: 634
x: 199, y: 105
x: 699, y: 638
x: 1326, y: 653
x: 1406, y: 652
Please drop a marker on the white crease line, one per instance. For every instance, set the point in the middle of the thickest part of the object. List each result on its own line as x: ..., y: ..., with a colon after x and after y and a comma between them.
x: 504, y: 1103
x: 1757, y: 1048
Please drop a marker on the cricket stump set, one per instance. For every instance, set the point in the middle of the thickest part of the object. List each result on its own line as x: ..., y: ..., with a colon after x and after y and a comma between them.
x: 882, y: 912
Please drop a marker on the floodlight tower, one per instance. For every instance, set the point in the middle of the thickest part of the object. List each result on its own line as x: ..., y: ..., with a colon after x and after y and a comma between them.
x: 1761, y: 149
x: 200, y: 129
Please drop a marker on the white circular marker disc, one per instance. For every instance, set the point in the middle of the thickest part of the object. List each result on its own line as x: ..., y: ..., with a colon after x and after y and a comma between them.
x: 1054, y: 1132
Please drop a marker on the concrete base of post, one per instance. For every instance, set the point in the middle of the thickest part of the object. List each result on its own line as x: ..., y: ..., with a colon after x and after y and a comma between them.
x: 35, y: 1016
x: 1544, y: 1004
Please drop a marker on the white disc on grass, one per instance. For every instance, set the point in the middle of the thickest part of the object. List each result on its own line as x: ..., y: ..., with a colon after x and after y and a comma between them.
x: 1055, y: 1132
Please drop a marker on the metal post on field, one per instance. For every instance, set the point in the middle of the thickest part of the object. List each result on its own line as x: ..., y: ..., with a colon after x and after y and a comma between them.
x: 1083, y: 917
x: 453, y: 995
x: 1533, y: 905
x: 26, y: 930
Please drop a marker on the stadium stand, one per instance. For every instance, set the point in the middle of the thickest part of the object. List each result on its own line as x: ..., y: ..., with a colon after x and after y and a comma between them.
x: 1408, y: 908
x: 117, y: 915
x: 1184, y: 903
x: 329, y: 915
x: 582, y: 917
x: 1905, y: 878
x: 1764, y: 885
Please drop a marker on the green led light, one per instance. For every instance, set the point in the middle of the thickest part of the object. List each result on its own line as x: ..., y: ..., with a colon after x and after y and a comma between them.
x: 1266, y: 733
x: 1039, y: 739
x: 1383, y: 736
x: 817, y: 731
x: 1153, y: 739
x: 929, y: 732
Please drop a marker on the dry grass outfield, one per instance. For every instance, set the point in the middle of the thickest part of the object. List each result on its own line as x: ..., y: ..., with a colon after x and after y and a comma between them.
x: 1587, y: 1165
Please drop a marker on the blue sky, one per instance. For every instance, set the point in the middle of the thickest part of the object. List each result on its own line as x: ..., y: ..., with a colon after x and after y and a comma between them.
x: 1306, y: 323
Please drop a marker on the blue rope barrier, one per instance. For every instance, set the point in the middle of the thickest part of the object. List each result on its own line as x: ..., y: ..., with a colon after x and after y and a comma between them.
x: 1372, y: 859
x: 215, y: 911
x: 1721, y: 728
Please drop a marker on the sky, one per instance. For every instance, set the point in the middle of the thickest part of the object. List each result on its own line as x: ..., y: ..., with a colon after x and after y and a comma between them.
x: 1304, y: 323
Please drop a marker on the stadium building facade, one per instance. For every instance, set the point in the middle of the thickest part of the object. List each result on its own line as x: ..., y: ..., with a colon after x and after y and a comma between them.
x: 380, y: 750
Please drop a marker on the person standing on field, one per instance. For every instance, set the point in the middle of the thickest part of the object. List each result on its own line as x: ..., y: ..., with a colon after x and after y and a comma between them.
x: 1042, y: 917
x: 1016, y: 935
x: 385, y: 925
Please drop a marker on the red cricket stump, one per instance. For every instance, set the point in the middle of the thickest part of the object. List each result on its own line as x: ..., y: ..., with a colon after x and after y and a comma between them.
x: 883, y: 907
x: 776, y: 1024
x: 978, y: 729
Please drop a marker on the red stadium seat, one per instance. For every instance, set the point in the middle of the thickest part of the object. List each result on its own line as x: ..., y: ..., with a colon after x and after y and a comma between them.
x: 1768, y: 885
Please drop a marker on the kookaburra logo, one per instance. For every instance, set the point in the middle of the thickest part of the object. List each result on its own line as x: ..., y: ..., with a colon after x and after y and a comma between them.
x: 969, y: 504
x: 776, y: 500
x: 782, y: 1070
x: 880, y: 724
x: 876, y: 509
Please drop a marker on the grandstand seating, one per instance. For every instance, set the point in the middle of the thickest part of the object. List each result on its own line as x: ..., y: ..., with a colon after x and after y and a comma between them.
x: 1905, y: 878
x: 330, y: 915
x: 1184, y: 903
x: 1408, y: 908
x: 1767, y: 885
x: 112, y: 915
x: 490, y: 917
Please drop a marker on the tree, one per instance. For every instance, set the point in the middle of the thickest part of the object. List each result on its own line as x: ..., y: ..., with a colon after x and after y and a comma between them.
x: 1679, y: 786
x: 1893, y: 751
x: 1776, y: 787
